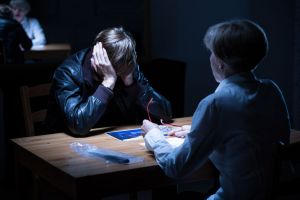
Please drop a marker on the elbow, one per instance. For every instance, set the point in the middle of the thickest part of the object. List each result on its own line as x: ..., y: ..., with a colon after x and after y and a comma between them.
x: 78, y: 128
x: 172, y: 170
x: 77, y: 131
x: 178, y: 171
x: 77, y: 122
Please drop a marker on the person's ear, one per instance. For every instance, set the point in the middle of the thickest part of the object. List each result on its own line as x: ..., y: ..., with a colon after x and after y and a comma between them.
x: 221, y: 66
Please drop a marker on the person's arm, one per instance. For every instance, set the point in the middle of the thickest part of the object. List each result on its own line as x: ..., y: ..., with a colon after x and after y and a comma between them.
x: 38, y: 33
x: 80, y: 114
x: 141, y: 92
x: 197, y: 146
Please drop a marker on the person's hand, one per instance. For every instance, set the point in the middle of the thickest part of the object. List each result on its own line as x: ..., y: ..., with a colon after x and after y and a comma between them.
x: 147, y: 126
x: 181, y: 132
x: 102, y: 65
x: 127, y: 79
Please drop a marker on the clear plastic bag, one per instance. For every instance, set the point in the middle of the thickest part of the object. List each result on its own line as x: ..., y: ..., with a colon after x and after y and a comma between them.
x: 109, y: 155
x: 165, y: 129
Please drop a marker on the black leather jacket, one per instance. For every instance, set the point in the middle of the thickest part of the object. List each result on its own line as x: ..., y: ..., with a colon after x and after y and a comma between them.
x: 77, y: 106
x: 13, y: 35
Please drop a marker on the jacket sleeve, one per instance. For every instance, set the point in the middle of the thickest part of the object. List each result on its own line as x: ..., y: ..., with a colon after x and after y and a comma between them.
x: 148, y: 99
x: 80, y: 114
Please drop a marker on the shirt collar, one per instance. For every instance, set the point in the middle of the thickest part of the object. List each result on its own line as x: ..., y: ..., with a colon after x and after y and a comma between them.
x: 24, y: 21
x: 236, y: 78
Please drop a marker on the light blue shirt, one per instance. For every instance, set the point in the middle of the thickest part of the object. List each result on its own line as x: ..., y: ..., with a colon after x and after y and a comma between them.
x: 34, y: 31
x: 235, y: 127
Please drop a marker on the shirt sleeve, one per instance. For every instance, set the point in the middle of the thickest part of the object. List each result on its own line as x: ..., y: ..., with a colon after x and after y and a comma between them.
x: 197, y: 146
x: 38, y: 33
x: 103, y: 93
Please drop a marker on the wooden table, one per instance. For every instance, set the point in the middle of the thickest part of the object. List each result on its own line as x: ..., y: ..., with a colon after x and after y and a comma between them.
x: 78, y: 177
x: 52, y: 52
x: 50, y: 157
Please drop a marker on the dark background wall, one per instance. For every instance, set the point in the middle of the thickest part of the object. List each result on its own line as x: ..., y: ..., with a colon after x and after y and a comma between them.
x: 174, y: 29
x: 78, y: 22
x: 177, y: 33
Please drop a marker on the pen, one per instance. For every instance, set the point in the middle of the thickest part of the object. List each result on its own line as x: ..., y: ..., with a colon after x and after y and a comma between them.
x: 112, y: 158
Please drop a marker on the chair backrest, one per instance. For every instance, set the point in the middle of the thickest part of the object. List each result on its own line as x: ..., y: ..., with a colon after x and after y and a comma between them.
x: 160, y: 81
x: 287, y: 155
x: 2, y: 52
x: 31, y: 117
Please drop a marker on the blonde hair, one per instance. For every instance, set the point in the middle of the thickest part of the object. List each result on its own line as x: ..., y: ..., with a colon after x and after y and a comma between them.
x: 120, y: 47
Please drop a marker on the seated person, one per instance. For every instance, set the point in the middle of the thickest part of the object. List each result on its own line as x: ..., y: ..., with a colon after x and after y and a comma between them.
x: 103, y: 86
x: 13, y: 36
x: 238, y: 125
x: 31, y: 25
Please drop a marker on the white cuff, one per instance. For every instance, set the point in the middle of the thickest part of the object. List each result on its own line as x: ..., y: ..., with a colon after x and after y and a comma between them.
x: 152, y: 138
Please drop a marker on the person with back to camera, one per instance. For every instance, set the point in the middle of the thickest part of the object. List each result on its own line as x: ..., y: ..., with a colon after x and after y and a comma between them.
x: 13, y: 36
x: 235, y: 127
x: 31, y: 25
x: 103, y: 86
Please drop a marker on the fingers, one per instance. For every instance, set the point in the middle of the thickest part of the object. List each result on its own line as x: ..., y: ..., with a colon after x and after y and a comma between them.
x: 101, y: 52
x: 144, y: 127
x: 95, y: 57
x: 93, y: 64
x: 100, y: 62
x: 147, y: 126
x: 145, y: 121
x: 105, y: 56
x: 181, y: 132
x: 100, y: 56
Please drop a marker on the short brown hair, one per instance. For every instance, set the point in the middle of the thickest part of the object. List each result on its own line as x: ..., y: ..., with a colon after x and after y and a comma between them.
x: 241, y: 44
x: 120, y: 47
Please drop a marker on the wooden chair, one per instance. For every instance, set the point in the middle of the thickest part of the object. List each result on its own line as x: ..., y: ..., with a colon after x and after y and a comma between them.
x: 31, y: 117
x: 287, y: 157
